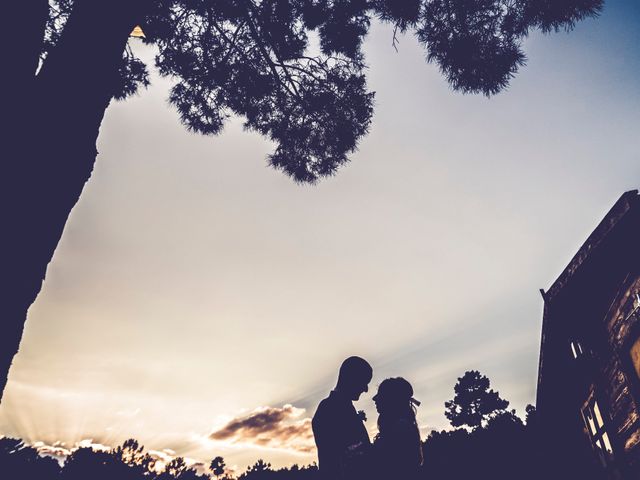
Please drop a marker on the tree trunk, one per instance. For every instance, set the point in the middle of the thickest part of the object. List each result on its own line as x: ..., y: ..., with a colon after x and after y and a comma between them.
x: 51, y: 156
x: 20, y: 48
x: 21, y: 42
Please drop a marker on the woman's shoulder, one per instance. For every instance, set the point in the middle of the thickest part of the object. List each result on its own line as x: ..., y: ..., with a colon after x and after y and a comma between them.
x: 397, y: 434
x: 396, y: 453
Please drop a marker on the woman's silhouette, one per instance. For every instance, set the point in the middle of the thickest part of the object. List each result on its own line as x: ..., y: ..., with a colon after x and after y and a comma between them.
x: 397, y: 451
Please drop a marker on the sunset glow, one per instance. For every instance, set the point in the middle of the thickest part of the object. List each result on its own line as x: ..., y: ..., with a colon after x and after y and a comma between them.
x: 202, y: 303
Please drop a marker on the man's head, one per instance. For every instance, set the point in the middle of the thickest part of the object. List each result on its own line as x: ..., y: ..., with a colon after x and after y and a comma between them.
x: 354, y: 377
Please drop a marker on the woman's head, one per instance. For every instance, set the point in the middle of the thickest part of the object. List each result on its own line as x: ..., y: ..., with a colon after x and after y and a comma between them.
x: 395, y: 395
x: 397, y: 425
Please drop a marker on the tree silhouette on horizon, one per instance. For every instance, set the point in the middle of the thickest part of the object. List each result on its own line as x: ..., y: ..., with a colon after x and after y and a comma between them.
x: 488, y: 441
x: 246, y: 58
x: 502, y: 448
x: 474, y: 402
x: 128, y: 461
x: 18, y: 460
x: 218, y: 467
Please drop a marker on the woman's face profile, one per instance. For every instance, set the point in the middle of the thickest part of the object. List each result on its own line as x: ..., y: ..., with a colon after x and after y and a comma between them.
x: 379, y: 401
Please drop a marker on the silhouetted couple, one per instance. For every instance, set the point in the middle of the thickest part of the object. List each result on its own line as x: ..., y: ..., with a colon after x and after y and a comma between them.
x: 344, y: 449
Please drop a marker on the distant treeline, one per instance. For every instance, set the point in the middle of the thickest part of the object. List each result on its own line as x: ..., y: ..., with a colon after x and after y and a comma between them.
x: 128, y: 461
x: 488, y: 441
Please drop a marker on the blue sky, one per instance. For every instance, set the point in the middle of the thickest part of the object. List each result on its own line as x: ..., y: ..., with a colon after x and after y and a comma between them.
x: 194, y: 284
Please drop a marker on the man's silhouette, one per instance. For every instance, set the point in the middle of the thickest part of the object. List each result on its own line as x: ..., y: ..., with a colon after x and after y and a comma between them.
x: 339, y: 431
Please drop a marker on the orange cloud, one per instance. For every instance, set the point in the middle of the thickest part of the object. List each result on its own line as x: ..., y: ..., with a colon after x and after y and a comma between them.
x: 270, y: 427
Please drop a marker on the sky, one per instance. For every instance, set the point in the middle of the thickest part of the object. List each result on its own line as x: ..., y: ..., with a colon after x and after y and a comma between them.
x: 196, y: 292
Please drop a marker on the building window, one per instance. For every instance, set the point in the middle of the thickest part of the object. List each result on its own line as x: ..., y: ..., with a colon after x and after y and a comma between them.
x: 595, y: 425
x: 635, y: 356
x: 576, y: 348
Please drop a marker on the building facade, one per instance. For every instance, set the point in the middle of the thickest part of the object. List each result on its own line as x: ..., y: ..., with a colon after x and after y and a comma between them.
x: 588, y: 396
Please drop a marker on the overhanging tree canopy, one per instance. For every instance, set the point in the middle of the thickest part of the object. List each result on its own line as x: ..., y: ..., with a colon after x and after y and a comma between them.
x: 64, y: 60
x: 252, y: 58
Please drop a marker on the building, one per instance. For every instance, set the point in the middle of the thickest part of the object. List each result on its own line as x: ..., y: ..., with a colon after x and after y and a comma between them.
x: 588, y: 398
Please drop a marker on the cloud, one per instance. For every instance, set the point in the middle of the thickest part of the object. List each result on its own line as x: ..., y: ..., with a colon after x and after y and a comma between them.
x: 270, y: 427
x: 60, y: 451
x: 56, y: 452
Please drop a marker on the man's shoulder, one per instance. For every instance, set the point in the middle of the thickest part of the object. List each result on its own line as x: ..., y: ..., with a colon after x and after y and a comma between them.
x: 324, y: 405
x: 330, y: 406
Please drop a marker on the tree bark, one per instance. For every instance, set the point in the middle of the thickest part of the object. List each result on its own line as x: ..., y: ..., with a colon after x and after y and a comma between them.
x: 52, y: 155
x: 21, y: 41
x: 20, y: 48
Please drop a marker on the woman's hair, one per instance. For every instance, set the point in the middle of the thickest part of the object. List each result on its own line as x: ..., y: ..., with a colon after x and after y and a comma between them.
x: 397, y: 406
